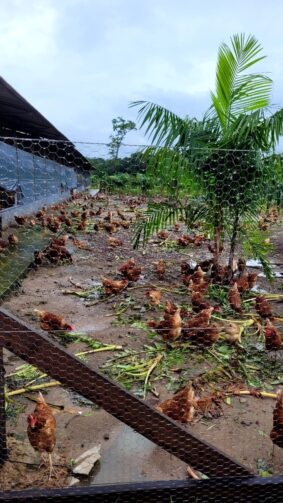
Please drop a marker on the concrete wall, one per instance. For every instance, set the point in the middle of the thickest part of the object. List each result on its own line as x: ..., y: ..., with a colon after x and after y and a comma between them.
x: 7, y: 215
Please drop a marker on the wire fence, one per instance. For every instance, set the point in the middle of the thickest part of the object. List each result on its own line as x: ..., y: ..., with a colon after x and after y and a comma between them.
x: 140, y: 324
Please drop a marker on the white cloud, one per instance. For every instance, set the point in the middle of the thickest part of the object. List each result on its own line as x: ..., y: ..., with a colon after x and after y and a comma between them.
x: 27, y: 31
x: 81, y: 61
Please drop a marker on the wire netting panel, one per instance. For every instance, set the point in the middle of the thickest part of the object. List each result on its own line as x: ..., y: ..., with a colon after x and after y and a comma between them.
x: 142, y: 297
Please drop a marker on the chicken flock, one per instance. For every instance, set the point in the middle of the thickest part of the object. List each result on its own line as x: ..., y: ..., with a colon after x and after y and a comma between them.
x: 200, y: 323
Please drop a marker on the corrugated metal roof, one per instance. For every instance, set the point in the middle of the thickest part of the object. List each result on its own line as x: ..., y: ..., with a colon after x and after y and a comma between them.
x: 19, y: 116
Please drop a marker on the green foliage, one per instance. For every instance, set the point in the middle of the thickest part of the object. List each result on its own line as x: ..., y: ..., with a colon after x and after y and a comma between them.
x: 120, y: 128
x: 132, y: 165
x: 123, y: 183
x: 159, y: 216
x: 274, y: 187
x: 238, y: 92
x: 127, y: 175
x: 256, y: 245
x: 220, y: 157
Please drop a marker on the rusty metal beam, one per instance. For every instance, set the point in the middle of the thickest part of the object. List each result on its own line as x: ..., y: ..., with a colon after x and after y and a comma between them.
x: 36, y: 348
x: 232, y: 489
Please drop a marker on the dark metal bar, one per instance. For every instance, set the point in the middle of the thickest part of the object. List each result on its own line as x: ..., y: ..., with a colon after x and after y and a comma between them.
x: 3, y: 441
x: 34, y: 347
x: 232, y: 489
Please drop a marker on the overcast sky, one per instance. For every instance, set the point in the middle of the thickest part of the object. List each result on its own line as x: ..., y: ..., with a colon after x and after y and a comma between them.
x: 80, y: 62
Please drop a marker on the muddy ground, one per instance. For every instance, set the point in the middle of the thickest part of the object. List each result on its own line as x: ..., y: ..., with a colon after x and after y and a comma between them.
x: 243, y: 429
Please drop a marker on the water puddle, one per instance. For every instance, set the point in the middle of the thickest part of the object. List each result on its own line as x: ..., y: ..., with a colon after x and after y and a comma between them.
x: 130, y: 457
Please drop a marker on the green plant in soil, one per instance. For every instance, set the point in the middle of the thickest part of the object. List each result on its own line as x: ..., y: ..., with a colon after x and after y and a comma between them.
x: 221, y: 365
x: 218, y: 168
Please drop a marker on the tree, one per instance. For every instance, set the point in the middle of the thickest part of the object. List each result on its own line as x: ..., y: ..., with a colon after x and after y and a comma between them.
x: 222, y: 155
x: 120, y: 128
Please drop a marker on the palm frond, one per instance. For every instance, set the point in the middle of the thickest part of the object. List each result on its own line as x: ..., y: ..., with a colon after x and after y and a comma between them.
x: 162, y: 126
x: 257, y: 247
x: 272, y: 128
x: 239, y: 92
x: 160, y: 216
x: 154, y: 220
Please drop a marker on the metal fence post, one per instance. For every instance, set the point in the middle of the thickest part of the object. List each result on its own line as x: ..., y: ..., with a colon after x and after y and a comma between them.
x: 3, y: 440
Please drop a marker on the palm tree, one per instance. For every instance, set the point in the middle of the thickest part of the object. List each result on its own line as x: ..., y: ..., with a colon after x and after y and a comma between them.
x: 223, y: 155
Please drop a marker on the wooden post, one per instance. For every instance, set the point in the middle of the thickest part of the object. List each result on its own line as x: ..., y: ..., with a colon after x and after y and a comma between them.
x: 3, y: 440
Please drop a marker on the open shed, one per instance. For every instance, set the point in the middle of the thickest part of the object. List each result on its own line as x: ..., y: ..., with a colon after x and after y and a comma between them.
x: 38, y: 164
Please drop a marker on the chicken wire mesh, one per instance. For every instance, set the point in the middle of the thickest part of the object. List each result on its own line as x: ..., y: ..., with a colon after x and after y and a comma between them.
x: 188, y: 324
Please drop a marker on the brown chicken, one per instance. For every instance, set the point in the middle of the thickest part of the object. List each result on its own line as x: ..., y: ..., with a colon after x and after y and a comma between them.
x: 163, y: 235
x: 160, y: 268
x: 273, y: 341
x: 13, y: 239
x: 98, y: 226
x: 246, y: 281
x: 40, y: 214
x: 181, y: 406
x: 170, y: 327
x: 20, y: 220
x: 212, y: 249
x: 110, y: 228
x: 134, y: 274
x: 121, y: 215
x: 234, y: 298
x: 198, y: 302
x: 198, y: 275
x: 125, y: 225
x: 198, y: 322
x: 56, y: 254
x: 114, y: 242
x: 39, y: 257
x: 263, y: 308
x: 187, y: 279
x: 252, y: 279
x: 276, y: 433
x: 206, y: 335
x: 128, y: 265
x: 82, y: 225
x: 109, y: 217
x: 201, y: 286
x: 130, y: 270
x: 112, y: 286
x: 99, y: 211
x: 52, y: 322
x: 185, y: 240
x: 41, y: 430
x: 154, y: 297
x: 198, y: 240
x: 243, y: 282
x: 75, y: 213
x: 186, y: 268
x: 241, y: 265
x: 232, y: 332
x: 68, y: 222
x: 205, y: 265
x: 53, y: 224
x: 220, y: 274
x: 84, y: 215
